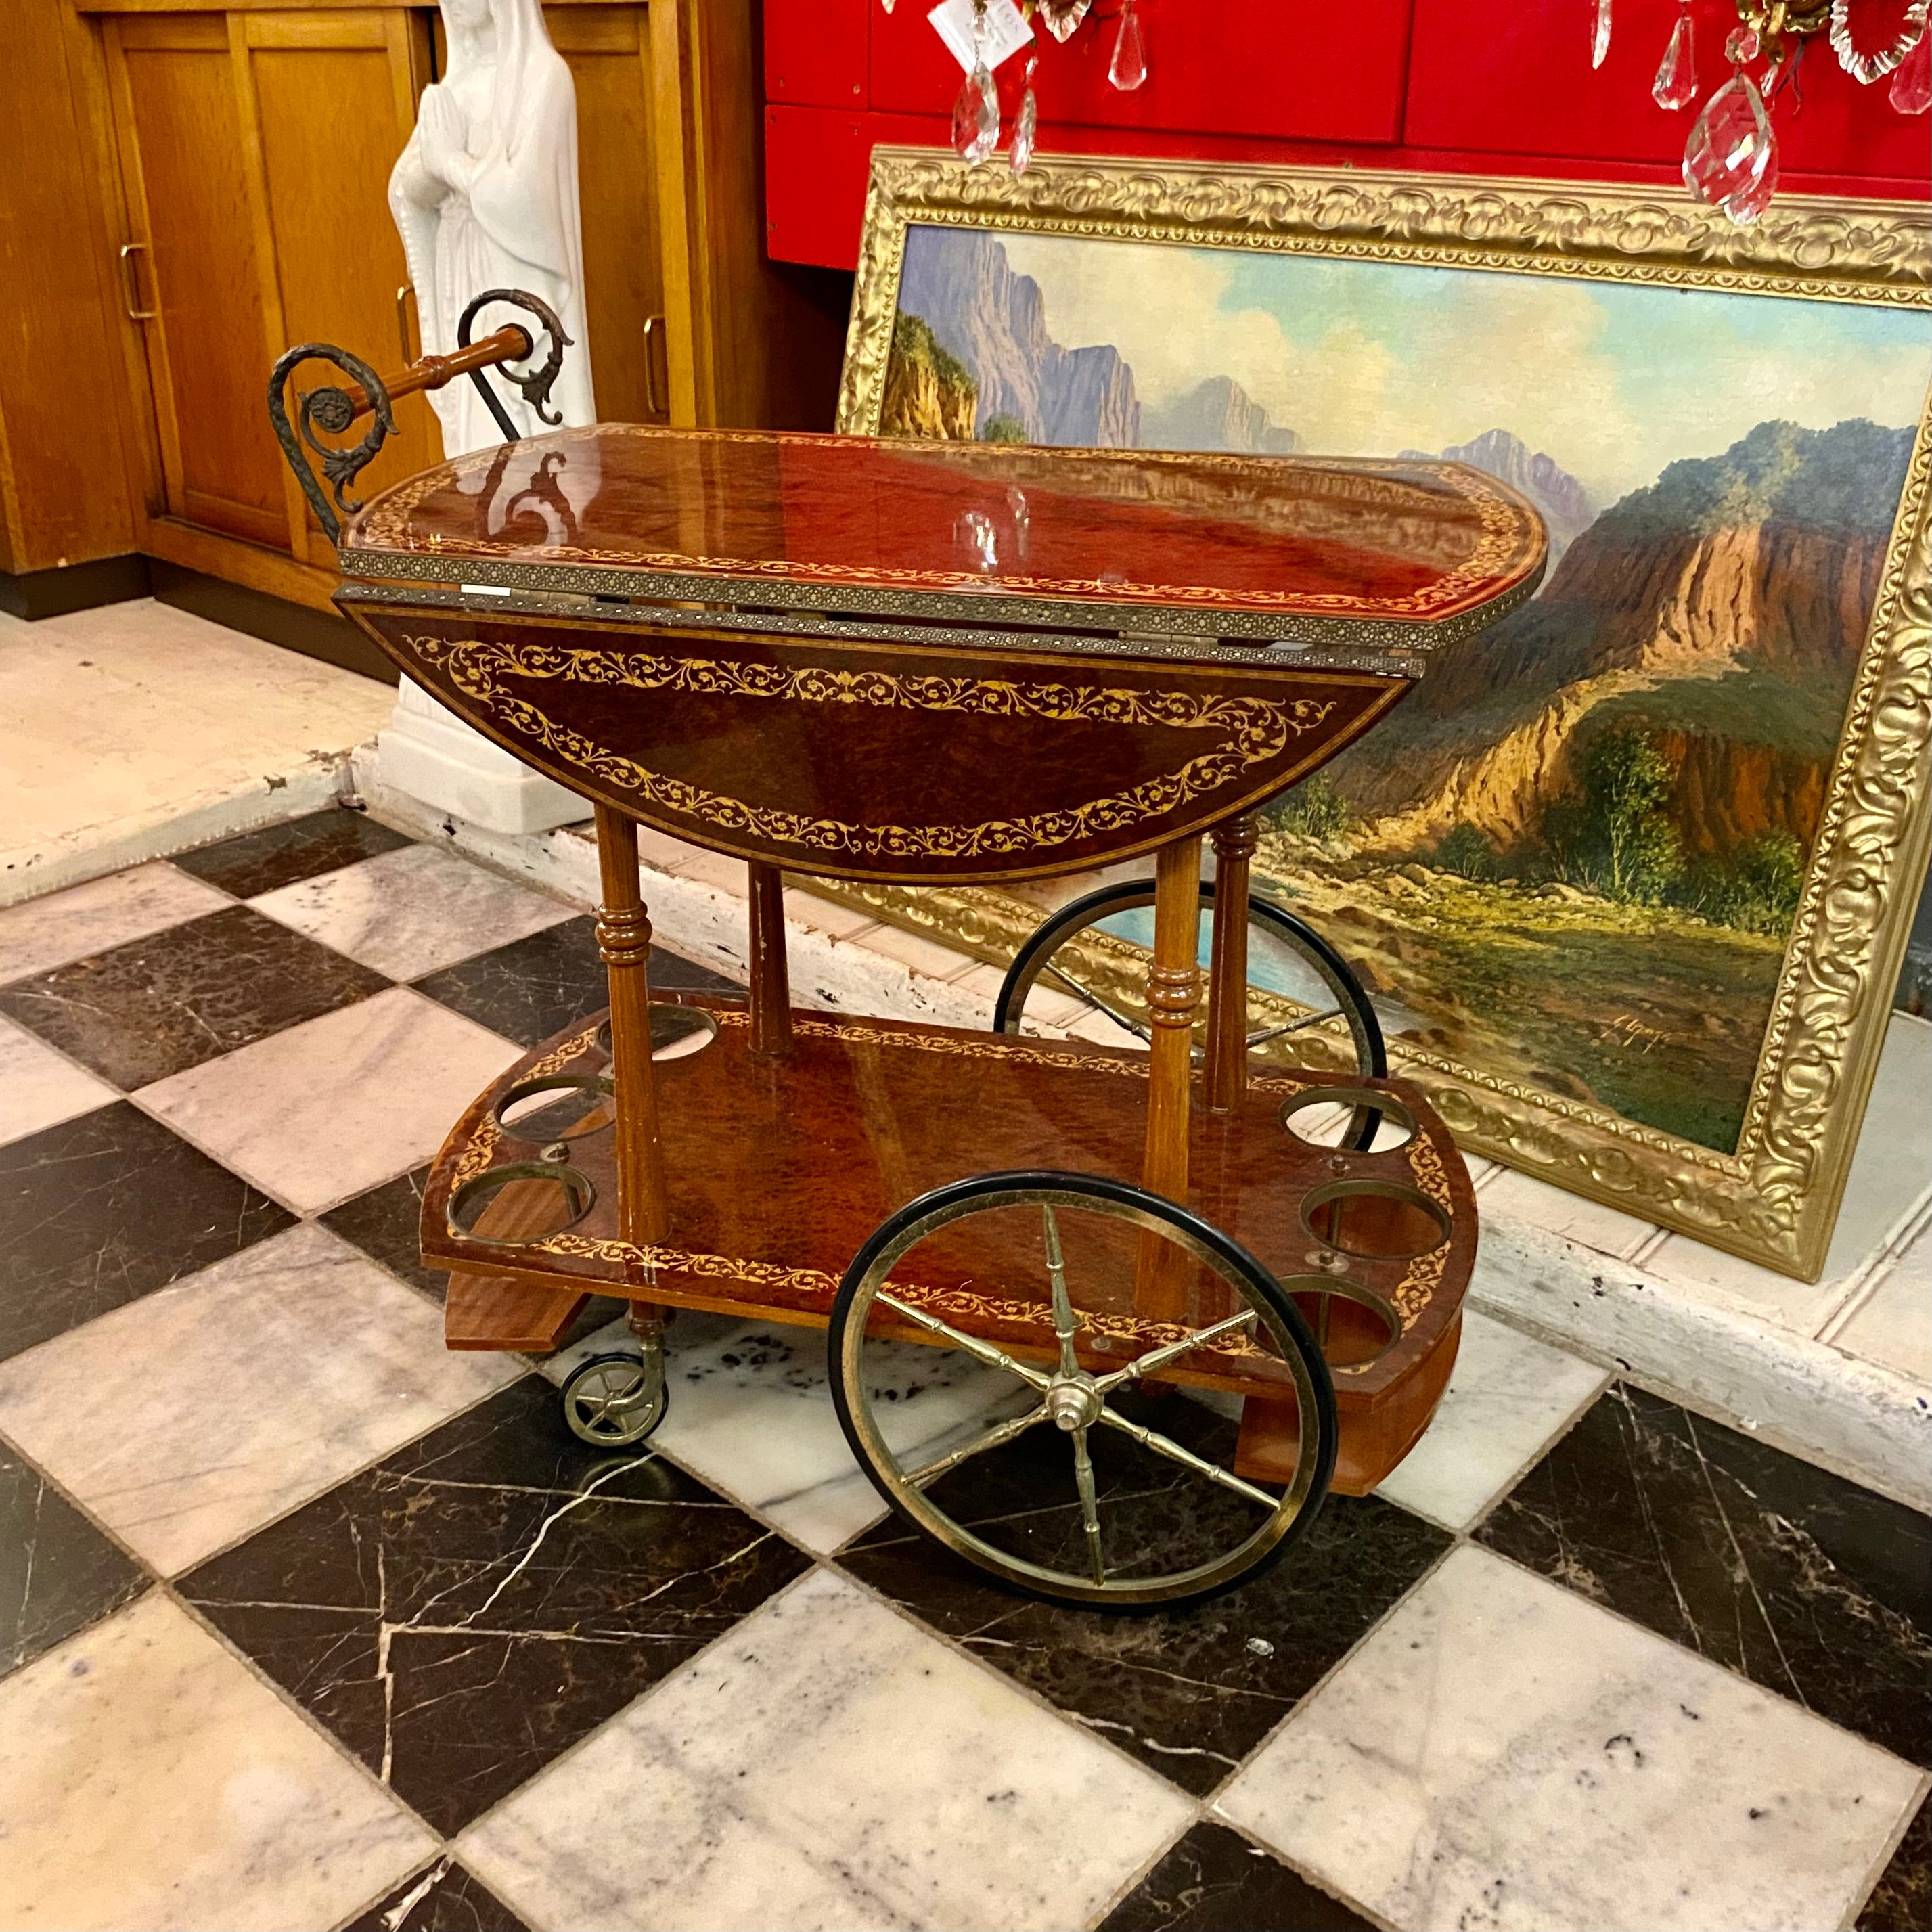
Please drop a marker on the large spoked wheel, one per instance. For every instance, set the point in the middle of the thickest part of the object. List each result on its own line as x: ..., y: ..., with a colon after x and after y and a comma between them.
x: 1097, y: 1485
x: 1095, y: 952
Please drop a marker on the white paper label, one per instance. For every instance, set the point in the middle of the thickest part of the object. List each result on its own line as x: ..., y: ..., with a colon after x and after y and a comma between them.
x: 1003, y: 31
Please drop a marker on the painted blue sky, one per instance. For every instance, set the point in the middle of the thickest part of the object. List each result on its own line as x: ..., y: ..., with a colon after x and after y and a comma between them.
x: 1365, y: 359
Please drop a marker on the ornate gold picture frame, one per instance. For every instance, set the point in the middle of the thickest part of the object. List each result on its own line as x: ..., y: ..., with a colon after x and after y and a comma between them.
x: 1759, y: 1175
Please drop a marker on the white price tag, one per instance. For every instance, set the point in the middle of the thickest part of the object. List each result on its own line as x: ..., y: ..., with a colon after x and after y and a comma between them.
x: 1002, y: 32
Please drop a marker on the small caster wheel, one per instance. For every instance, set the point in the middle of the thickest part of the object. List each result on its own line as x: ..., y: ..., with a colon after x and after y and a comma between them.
x: 613, y: 1401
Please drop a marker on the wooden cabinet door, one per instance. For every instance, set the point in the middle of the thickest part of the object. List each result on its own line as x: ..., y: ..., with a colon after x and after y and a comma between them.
x: 192, y: 274
x: 632, y: 360
x: 327, y: 102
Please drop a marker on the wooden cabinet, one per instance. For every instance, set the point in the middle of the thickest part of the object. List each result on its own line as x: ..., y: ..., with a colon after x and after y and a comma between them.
x: 245, y: 156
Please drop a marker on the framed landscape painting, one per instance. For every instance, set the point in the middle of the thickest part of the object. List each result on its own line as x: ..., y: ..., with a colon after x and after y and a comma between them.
x: 1630, y: 874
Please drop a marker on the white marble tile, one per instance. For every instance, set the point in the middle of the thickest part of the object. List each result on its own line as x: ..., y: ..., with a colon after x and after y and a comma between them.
x: 39, y: 934
x: 1502, y: 1753
x: 40, y: 1088
x: 827, y: 1766
x: 751, y: 1412
x: 1509, y: 1396
x: 338, y: 1104
x: 1892, y: 1326
x: 153, y: 728
x: 147, y: 1779
x: 413, y: 911
x: 192, y: 1416
x: 1607, y: 1230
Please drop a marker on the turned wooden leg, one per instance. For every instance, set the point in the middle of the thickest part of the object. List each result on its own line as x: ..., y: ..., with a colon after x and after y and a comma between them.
x: 624, y: 943
x: 1226, y: 1074
x: 771, y: 983
x: 1174, y: 998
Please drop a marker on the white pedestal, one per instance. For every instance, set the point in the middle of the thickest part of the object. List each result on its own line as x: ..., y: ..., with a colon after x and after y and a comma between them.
x: 431, y: 754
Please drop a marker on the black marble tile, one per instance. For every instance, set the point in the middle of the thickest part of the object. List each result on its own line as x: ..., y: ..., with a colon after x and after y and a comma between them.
x: 1190, y: 1693
x: 107, y: 1208
x: 161, y: 1005
x: 1804, y: 1583
x: 535, y: 987
x: 1901, y: 1901
x: 57, y: 1572
x: 445, y: 1898
x: 483, y: 1598
x: 280, y: 855
x: 1214, y: 1880
x: 386, y: 1224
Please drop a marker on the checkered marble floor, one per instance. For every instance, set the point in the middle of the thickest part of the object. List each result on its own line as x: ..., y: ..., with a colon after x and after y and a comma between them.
x: 306, y: 1622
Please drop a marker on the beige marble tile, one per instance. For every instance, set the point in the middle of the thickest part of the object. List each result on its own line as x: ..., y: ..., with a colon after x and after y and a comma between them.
x: 189, y: 1417
x: 1509, y: 1397
x: 1502, y: 1753
x: 40, y: 1088
x: 40, y: 933
x: 413, y: 912
x: 1607, y: 1230
x: 827, y: 1766
x: 338, y: 1104
x: 149, y: 1780
x: 921, y: 955
x: 808, y: 909
x: 146, y: 717
x: 1892, y: 1324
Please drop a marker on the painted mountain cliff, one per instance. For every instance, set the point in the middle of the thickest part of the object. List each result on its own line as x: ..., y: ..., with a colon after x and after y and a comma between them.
x: 1565, y: 504
x: 1217, y: 414
x: 992, y: 323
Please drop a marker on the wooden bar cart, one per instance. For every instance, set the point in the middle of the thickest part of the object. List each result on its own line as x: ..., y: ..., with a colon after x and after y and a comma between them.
x: 931, y: 661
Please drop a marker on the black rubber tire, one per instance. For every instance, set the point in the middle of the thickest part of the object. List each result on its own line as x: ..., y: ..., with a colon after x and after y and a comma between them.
x: 1103, y: 1188
x: 1130, y: 895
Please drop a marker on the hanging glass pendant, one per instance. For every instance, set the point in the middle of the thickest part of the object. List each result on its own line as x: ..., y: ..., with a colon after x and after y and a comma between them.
x: 1911, y: 92
x: 1676, y: 83
x: 1026, y: 124
x: 1128, y: 66
x: 1600, y: 35
x: 976, y: 115
x: 1731, y: 159
x: 1062, y: 16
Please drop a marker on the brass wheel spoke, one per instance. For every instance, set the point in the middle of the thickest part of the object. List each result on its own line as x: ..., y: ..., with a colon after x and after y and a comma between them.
x: 990, y: 1438
x: 982, y: 1351
x: 1080, y: 990
x: 1090, y: 1506
x: 1268, y: 1034
x: 1065, y: 1327
x: 1163, y: 1445
x: 1172, y: 1351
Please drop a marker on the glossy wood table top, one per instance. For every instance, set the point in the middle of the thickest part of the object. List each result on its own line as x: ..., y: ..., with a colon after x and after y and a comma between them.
x: 1246, y: 546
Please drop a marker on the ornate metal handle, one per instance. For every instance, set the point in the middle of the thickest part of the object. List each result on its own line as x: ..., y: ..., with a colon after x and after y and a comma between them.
x: 535, y: 385
x: 333, y: 409
x: 652, y: 324
x: 130, y: 284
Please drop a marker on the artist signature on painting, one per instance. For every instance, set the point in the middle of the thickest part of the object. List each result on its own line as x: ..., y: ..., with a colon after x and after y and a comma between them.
x: 1626, y: 1030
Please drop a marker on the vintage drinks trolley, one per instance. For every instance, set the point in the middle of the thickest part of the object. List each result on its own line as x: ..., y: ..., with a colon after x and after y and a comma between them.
x: 909, y: 661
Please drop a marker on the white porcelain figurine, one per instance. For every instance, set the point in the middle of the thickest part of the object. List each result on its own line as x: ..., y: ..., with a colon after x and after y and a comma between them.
x: 485, y: 195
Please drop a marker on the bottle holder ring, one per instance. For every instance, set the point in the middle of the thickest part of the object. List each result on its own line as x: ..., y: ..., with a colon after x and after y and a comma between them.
x: 558, y: 1107
x: 1376, y: 1220
x: 549, y: 1197
x: 1357, y: 1335
x: 1322, y: 1117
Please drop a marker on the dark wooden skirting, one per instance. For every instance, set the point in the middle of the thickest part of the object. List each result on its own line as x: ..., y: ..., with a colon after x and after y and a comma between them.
x: 34, y: 594
x: 315, y: 634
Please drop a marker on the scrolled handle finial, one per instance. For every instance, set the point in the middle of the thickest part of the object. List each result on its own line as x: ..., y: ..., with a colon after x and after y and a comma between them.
x: 535, y: 385
x: 331, y: 409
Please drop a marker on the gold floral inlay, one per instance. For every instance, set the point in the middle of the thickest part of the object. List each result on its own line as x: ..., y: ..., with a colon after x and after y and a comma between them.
x: 1248, y: 732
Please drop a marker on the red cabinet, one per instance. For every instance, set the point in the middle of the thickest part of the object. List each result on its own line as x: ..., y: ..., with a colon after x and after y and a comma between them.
x: 1474, y: 86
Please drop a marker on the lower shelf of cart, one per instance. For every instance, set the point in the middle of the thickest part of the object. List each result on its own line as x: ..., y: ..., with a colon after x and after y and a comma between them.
x: 779, y: 1170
